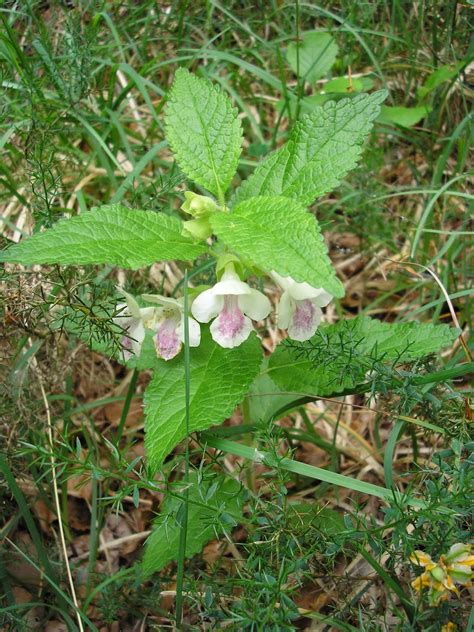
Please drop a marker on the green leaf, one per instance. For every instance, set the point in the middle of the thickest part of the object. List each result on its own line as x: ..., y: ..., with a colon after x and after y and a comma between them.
x: 147, y: 358
x: 317, y: 54
x: 110, y: 234
x: 323, y: 146
x: 343, y: 84
x: 276, y: 233
x: 203, y: 131
x: 265, y: 398
x: 219, y: 380
x: 303, y: 469
x: 212, y: 504
x: 438, y: 77
x: 309, y: 516
x: 405, y: 117
x: 338, y: 356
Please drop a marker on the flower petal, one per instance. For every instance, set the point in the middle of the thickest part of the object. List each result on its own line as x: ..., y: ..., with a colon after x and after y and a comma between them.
x: 207, y: 305
x: 459, y: 552
x: 285, y: 310
x: 323, y: 299
x: 305, y: 320
x: 256, y: 305
x: 230, y: 283
x: 124, y: 321
x: 231, y: 287
x: 194, y: 332
x: 167, y: 342
x: 149, y: 316
x: 318, y: 296
x: 231, y: 328
x: 421, y: 558
x: 460, y: 573
x: 283, y: 282
x: 133, y: 306
x: 136, y: 332
x: 300, y: 291
x: 126, y: 343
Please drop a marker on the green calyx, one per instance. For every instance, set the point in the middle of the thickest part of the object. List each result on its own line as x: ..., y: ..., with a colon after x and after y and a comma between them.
x: 228, y: 259
x: 198, y: 206
x: 198, y: 229
x: 438, y: 574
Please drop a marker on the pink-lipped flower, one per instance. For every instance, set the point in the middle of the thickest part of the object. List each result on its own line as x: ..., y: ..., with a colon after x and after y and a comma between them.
x: 300, y: 305
x: 169, y: 326
x: 232, y: 305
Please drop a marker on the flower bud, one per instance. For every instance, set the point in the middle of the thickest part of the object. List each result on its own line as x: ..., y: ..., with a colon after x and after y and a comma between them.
x: 198, y: 205
x: 198, y: 229
x: 438, y: 574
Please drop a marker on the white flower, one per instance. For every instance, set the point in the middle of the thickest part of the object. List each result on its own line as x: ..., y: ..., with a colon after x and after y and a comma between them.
x: 234, y: 303
x: 169, y: 326
x: 300, y: 305
x: 132, y: 319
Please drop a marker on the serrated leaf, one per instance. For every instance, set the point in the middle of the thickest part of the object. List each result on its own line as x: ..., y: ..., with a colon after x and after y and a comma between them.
x: 338, y: 356
x: 276, y: 233
x: 203, y: 131
x: 147, y: 358
x: 204, y: 520
x: 219, y: 379
x: 323, y: 146
x: 317, y: 54
x: 265, y: 398
x: 110, y: 234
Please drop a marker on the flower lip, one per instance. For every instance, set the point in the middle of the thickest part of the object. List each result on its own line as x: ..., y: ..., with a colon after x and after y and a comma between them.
x: 169, y: 326
x: 232, y: 303
x: 167, y: 342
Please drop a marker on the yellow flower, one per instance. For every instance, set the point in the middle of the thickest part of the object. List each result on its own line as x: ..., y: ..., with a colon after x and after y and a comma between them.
x: 440, y: 577
x: 449, y: 627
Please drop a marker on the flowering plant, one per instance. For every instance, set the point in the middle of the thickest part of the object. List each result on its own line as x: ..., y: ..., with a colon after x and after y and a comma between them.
x: 262, y: 233
x: 441, y: 577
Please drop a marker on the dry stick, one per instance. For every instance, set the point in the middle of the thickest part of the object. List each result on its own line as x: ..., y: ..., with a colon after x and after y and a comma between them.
x: 52, y: 461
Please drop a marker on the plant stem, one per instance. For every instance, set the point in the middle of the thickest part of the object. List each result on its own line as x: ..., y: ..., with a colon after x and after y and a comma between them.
x: 126, y: 406
x: 184, y: 524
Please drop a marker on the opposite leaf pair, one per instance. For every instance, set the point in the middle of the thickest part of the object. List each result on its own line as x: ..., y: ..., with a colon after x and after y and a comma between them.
x: 268, y: 228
